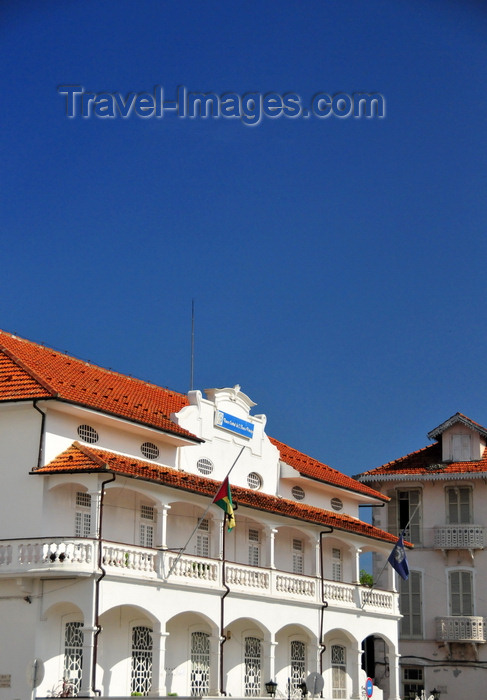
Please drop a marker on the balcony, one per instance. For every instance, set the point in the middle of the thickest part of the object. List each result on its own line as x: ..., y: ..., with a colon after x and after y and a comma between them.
x: 460, y: 629
x: 61, y: 557
x: 460, y: 537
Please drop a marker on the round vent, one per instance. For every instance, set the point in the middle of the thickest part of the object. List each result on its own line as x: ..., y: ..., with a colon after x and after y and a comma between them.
x: 298, y: 493
x: 336, y: 504
x: 149, y: 450
x: 205, y: 466
x: 87, y: 434
x: 254, y: 481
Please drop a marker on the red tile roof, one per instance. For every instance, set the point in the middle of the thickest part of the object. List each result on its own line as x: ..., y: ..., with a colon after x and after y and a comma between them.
x: 29, y: 370
x: 307, y: 466
x: 428, y: 460
x: 80, y: 458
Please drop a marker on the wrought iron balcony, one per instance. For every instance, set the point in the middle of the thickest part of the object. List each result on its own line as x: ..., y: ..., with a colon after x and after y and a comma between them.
x: 460, y: 537
x: 460, y: 629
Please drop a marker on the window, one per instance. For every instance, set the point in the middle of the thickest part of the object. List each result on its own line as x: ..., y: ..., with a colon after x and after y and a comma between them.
x: 458, y: 503
x: 205, y: 466
x: 200, y: 663
x: 141, y: 676
x: 73, y: 654
x: 298, y: 664
x: 336, y: 564
x: 338, y: 672
x: 87, y: 434
x: 253, y: 664
x: 149, y: 450
x: 404, y: 508
x: 82, y: 515
x: 254, y: 481
x: 410, y: 605
x: 202, y: 544
x: 254, y: 547
x: 146, y: 526
x: 460, y: 447
x: 298, y: 558
x: 413, y: 682
x: 461, y: 598
x: 298, y: 493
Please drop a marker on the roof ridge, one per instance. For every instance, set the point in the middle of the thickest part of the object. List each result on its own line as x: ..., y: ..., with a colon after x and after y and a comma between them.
x: 32, y: 373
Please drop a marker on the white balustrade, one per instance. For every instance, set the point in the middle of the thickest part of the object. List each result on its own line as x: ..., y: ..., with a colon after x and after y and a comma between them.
x: 192, y: 568
x: 56, y: 555
x: 20, y: 556
x: 371, y: 598
x: 460, y: 537
x: 460, y: 629
x: 247, y: 577
x: 295, y: 585
x: 129, y: 559
x: 336, y: 593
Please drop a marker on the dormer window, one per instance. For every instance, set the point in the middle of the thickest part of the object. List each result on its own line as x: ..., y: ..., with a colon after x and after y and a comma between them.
x: 460, y: 447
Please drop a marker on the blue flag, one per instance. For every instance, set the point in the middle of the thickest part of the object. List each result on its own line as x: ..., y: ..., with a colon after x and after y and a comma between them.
x: 398, y: 560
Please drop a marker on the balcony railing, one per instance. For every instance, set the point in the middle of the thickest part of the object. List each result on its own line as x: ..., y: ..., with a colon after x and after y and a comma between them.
x: 460, y: 629
x: 460, y: 537
x: 79, y: 556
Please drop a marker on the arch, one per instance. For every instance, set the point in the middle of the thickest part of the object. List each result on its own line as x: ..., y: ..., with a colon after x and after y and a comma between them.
x: 192, y: 652
x: 296, y: 656
x: 378, y: 661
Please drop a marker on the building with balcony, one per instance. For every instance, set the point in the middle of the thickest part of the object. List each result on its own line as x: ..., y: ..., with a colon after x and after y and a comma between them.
x: 438, y: 494
x: 118, y: 573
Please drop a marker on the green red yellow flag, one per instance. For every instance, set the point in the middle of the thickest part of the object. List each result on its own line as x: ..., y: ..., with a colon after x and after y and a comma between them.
x: 223, y: 500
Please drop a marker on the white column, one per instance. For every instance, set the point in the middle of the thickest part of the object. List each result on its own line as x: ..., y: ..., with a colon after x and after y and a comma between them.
x: 355, y: 669
x: 269, y: 663
x: 161, y: 526
x: 272, y: 539
x: 356, y: 578
x: 88, y: 646
x: 393, y: 674
x: 215, y: 661
x: 317, y: 557
x: 95, y: 513
x: 158, y: 687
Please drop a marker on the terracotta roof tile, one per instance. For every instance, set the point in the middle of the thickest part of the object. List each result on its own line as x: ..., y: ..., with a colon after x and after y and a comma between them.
x: 428, y: 460
x: 79, y: 458
x: 307, y: 466
x: 29, y: 370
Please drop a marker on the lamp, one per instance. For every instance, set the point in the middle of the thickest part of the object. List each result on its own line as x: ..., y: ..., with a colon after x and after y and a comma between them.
x: 271, y: 687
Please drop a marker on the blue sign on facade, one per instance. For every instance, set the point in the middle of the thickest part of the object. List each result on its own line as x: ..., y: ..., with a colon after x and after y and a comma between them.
x: 369, y: 687
x: 236, y: 425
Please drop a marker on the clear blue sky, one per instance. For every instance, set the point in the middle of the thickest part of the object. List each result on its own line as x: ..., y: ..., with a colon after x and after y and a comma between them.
x: 337, y: 265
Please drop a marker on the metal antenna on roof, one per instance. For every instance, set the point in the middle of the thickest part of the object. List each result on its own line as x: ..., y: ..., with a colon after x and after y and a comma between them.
x: 191, y: 382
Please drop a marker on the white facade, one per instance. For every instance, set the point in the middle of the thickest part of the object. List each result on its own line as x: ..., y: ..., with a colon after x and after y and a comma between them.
x: 95, y: 509
x: 443, y: 490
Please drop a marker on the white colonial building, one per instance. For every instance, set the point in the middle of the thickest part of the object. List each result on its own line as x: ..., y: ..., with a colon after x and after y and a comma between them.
x: 105, y: 477
x: 441, y: 491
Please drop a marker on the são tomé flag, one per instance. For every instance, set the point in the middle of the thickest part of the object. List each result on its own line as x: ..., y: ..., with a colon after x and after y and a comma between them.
x: 223, y: 500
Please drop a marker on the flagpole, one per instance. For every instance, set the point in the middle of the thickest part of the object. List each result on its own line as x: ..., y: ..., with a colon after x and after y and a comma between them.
x: 181, y: 551
x: 367, y: 597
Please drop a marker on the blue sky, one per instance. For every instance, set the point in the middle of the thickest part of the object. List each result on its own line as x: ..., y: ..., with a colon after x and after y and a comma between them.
x: 337, y: 265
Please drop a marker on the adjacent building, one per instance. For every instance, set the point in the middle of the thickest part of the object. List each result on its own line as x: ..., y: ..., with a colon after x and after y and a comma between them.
x: 439, y: 494
x: 117, y: 573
